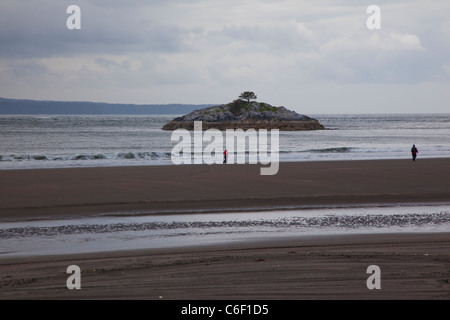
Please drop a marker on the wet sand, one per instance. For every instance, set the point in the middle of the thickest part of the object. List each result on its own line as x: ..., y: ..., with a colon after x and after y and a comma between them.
x: 413, y: 266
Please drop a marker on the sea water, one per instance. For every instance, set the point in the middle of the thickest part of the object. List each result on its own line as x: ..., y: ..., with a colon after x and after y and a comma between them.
x: 61, y: 141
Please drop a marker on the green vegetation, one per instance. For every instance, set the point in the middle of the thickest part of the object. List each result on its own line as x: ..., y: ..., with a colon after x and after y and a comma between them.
x: 243, y: 104
x: 267, y: 107
x: 236, y: 106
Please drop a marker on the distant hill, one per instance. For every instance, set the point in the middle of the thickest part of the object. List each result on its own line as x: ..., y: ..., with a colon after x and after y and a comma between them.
x: 22, y: 106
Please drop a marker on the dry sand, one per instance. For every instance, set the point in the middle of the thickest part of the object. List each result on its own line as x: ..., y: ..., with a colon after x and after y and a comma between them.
x: 413, y: 266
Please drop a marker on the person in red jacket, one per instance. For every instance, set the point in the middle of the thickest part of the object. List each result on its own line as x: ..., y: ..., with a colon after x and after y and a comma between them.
x: 414, y: 152
x: 225, y: 156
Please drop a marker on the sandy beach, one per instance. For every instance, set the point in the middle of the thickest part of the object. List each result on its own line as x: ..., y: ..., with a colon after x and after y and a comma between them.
x: 182, y: 189
x: 413, y: 266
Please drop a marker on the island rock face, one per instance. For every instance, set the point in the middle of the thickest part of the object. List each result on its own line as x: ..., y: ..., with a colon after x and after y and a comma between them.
x: 242, y: 115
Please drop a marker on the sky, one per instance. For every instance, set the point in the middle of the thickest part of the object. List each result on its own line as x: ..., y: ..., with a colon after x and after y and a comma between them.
x: 311, y: 56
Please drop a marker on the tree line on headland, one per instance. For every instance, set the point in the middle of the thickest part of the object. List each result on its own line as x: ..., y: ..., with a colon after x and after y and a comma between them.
x: 23, y: 106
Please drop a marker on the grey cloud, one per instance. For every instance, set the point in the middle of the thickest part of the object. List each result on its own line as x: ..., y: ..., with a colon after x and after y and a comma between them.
x: 27, y: 68
x: 39, y: 30
x: 272, y: 39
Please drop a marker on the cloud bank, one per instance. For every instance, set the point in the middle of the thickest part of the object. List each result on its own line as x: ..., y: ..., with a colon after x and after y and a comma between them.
x: 311, y: 56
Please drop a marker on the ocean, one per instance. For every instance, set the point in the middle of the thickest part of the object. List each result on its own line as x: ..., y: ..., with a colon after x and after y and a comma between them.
x: 62, y: 141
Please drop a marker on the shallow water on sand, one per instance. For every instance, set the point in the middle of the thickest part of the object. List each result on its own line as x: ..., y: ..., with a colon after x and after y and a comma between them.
x: 129, y: 232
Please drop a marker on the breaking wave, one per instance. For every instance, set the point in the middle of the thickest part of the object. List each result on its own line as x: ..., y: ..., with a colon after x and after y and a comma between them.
x: 331, y: 150
x: 86, y: 156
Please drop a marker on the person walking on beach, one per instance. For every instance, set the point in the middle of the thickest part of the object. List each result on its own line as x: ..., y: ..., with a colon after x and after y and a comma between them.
x: 414, y: 152
x: 225, y: 156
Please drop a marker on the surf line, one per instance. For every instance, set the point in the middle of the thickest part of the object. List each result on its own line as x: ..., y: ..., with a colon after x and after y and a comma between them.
x: 190, y: 150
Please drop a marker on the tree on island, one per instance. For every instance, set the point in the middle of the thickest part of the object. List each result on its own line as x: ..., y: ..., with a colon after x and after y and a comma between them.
x: 248, y: 95
x: 236, y: 106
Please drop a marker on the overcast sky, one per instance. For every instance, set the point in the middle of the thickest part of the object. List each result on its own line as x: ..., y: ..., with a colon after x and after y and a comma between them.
x: 312, y: 56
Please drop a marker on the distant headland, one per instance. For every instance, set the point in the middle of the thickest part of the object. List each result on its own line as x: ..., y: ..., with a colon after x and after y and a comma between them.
x: 245, y: 114
x: 34, y: 107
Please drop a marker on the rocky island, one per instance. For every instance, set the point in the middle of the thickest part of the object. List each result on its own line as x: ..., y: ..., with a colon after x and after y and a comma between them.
x: 245, y: 114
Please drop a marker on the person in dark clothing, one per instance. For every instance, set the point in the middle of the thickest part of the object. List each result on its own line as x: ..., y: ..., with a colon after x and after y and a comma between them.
x: 414, y: 152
